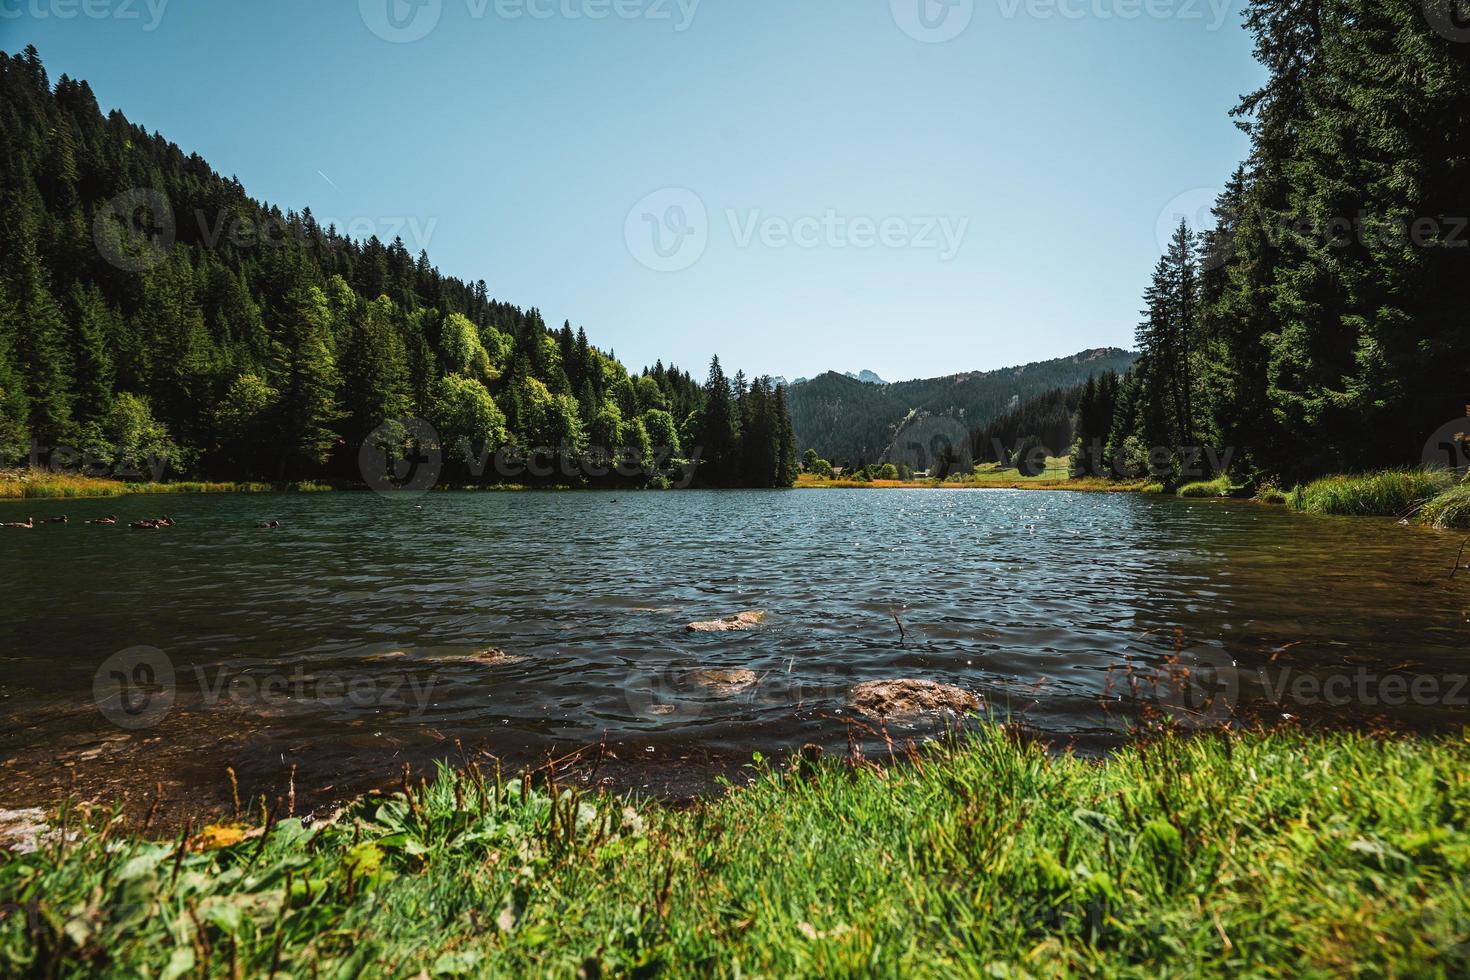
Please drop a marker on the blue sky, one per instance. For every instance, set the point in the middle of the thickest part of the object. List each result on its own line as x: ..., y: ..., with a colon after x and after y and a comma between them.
x: 918, y: 187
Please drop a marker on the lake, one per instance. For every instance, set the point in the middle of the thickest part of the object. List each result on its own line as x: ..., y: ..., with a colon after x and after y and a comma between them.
x: 354, y: 637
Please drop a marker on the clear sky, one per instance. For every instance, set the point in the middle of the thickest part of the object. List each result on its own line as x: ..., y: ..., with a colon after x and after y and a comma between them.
x: 917, y: 187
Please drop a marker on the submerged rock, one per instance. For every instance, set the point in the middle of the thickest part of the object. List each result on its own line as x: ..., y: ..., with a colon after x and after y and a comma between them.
x: 724, y: 683
x: 730, y: 624
x: 911, y: 698
x: 489, y: 658
x: 484, y: 658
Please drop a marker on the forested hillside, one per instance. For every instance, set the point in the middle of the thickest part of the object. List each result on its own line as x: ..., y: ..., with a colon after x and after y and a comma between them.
x: 852, y: 423
x: 1323, y: 324
x: 149, y: 307
x: 1046, y: 420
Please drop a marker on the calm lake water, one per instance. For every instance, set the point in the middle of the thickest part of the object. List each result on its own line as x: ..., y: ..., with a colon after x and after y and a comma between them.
x: 343, y: 641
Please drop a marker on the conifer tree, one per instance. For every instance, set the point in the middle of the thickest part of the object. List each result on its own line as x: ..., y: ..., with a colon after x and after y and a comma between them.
x: 717, y: 429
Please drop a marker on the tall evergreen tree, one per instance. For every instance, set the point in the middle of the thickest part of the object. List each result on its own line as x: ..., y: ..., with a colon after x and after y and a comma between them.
x: 717, y: 432
x: 306, y: 376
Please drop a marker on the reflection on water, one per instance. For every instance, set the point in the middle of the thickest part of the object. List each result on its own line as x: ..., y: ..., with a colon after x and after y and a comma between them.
x: 366, y: 630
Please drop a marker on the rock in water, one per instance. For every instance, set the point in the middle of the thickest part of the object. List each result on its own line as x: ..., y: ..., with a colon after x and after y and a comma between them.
x: 489, y: 658
x: 723, y: 683
x: 730, y: 624
x: 910, y: 698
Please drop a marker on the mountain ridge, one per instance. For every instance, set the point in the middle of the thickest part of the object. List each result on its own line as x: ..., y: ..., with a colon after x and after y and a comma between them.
x: 849, y: 421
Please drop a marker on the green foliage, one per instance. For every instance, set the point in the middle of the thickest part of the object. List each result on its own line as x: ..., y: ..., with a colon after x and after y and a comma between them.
x: 464, y: 354
x: 817, y: 466
x: 1048, y: 420
x: 850, y: 421
x: 662, y: 433
x: 1320, y: 326
x: 1218, y: 487
x: 992, y: 855
x: 265, y: 345
x: 469, y: 423
x: 1273, y: 495
x: 1391, y: 493
x: 1450, y: 509
x: 136, y: 441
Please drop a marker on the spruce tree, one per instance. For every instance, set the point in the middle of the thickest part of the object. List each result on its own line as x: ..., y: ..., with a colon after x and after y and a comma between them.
x: 716, y: 438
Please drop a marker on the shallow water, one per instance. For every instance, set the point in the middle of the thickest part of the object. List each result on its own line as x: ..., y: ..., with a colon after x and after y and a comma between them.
x: 337, y: 643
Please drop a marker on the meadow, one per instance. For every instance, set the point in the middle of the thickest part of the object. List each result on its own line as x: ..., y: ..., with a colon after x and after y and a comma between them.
x: 1280, y: 853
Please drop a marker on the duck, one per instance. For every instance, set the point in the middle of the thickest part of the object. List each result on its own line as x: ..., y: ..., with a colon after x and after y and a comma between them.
x: 56, y: 520
x: 267, y: 525
x: 25, y: 525
x: 109, y: 519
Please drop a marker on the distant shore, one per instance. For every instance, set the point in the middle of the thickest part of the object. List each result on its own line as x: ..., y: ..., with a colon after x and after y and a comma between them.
x: 991, y: 482
x: 1434, y: 498
x: 21, y: 485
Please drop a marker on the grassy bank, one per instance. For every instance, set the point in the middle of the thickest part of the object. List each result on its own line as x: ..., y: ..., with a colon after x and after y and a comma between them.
x: 992, y: 476
x: 1219, y: 487
x: 1390, y: 493
x: 48, y: 486
x: 1271, y: 854
x: 1450, y: 509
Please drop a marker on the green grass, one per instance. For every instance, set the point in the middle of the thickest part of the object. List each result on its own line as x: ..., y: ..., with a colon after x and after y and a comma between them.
x: 48, y: 486
x: 1450, y: 509
x: 1391, y: 493
x: 1272, y: 494
x: 1218, y: 487
x: 1279, y: 854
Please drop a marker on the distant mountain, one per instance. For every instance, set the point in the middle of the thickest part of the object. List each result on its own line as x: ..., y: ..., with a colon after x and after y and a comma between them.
x: 847, y: 419
x: 866, y: 377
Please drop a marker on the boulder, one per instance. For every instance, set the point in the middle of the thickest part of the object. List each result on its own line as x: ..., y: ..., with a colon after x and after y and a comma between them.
x: 486, y: 658
x: 723, y: 683
x: 730, y: 624
x: 910, y: 699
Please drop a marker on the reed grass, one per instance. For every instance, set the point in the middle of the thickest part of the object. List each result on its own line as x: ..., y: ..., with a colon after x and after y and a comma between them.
x: 1389, y: 493
x: 1265, y: 854
x: 66, y: 486
x: 1216, y: 488
x: 1450, y: 509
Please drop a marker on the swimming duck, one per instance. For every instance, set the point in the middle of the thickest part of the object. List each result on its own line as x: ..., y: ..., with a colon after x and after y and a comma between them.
x: 56, y: 520
x: 25, y: 525
x: 109, y: 519
x: 266, y: 525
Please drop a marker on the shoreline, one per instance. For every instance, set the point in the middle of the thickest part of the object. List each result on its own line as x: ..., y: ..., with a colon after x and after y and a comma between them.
x: 1427, y: 497
x: 1159, y: 858
x: 90, y: 489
